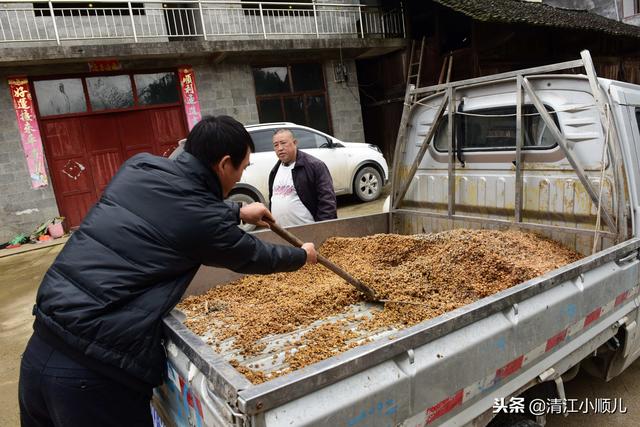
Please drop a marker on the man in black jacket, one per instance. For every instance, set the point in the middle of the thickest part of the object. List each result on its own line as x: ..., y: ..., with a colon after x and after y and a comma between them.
x: 300, y: 185
x: 96, y: 351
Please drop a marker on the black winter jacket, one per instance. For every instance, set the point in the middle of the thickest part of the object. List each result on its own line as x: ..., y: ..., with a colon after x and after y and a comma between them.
x: 314, y: 186
x: 134, y: 255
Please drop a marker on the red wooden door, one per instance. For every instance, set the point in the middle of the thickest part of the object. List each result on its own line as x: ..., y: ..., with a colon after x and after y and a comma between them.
x: 68, y: 166
x: 84, y: 152
x: 103, y: 149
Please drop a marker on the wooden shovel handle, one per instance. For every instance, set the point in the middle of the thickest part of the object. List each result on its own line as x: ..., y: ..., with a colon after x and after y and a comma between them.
x: 322, y: 260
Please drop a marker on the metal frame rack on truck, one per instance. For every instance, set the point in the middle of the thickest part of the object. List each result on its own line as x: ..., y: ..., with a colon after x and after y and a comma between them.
x: 553, y: 153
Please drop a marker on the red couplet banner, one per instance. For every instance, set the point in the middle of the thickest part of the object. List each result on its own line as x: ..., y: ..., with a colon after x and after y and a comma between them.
x: 29, y: 131
x: 189, y: 95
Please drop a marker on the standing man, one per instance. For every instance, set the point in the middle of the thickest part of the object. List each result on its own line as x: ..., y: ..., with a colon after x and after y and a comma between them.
x: 300, y: 186
x: 96, y: 352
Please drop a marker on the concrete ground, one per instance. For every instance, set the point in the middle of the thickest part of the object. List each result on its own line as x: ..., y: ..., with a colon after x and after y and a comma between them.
x: 584, y: 388
x: 20, y: 275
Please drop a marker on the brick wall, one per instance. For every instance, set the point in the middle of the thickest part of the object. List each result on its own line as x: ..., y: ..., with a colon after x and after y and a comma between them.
x: 22, y: 208
x: 227, y: 89
x: 344, y: 102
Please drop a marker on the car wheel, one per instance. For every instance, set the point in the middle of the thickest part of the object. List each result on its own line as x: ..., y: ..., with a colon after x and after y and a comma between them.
x: 244, y: 198
x: 367, y: 184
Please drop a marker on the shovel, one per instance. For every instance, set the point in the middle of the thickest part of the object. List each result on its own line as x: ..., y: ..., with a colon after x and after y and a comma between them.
x: 367, y: 291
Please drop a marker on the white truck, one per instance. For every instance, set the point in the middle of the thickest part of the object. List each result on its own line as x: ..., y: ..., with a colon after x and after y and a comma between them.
x: 553, y: 153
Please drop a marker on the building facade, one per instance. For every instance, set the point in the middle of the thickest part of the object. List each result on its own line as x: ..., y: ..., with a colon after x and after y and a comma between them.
x: 84, y: 86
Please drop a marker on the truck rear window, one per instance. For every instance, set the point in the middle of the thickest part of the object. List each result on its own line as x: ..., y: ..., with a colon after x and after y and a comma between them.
x: 494, y: 129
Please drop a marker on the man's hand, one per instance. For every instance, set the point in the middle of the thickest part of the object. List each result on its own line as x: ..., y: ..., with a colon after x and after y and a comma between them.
x: 312, y: 255
x: 253, y: 214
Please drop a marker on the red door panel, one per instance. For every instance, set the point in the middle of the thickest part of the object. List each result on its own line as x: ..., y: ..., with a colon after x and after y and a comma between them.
x: 101, y: 133
x: 84, y: 152
x: 64, y: 137
x: 76, y: 206
x: 68, y: 166
x: 72, y: 176
x: 168, y: 127
x: 135, y: 133
x: 103, y: 146
x: 104, y: 166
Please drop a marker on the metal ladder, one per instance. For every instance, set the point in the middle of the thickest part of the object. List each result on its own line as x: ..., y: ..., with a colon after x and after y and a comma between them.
x: 413, y: 82
x: 415, y: 60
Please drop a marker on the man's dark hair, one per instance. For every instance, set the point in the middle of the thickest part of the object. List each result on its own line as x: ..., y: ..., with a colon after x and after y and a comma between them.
x: 215, y: 137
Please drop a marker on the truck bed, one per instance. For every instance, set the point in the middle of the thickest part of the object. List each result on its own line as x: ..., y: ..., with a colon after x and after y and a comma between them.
x: 569, y: 282
x: 272, y: 358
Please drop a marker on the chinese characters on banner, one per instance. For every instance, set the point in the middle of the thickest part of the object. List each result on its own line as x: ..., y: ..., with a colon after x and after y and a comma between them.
x: 104, y: 65
x: 29, y: 131
x: 189, y: 95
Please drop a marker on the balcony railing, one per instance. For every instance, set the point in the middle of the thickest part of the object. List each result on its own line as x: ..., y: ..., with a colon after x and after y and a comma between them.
x: 193, y: 20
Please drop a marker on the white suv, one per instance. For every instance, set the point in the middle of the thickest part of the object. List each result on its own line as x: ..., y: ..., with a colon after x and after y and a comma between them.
x: 355, y: 168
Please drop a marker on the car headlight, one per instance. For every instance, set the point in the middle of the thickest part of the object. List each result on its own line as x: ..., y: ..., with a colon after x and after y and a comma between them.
x: 374, y: 147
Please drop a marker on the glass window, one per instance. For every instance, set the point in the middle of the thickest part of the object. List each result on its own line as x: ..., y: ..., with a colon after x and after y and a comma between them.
x: 309, y: 104
x: 64, y: 96
x: 308, y: 139
x: 294, y: 110
x: 110, y: 92
x: 270, y: 110
x: 638, y: 118
x: 157, y: 88
x: 495, y: 129
x: 317, y: 110
x: 271, y: 80
x: 263, y: 140
x: 307, y: 77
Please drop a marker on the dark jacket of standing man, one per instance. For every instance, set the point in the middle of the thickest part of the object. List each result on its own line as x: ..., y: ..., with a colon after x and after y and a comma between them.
x: 312, y: 197
x: 96, y: 351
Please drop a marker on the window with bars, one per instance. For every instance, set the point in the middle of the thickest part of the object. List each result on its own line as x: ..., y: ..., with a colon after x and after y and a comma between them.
x: 294, y: 93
